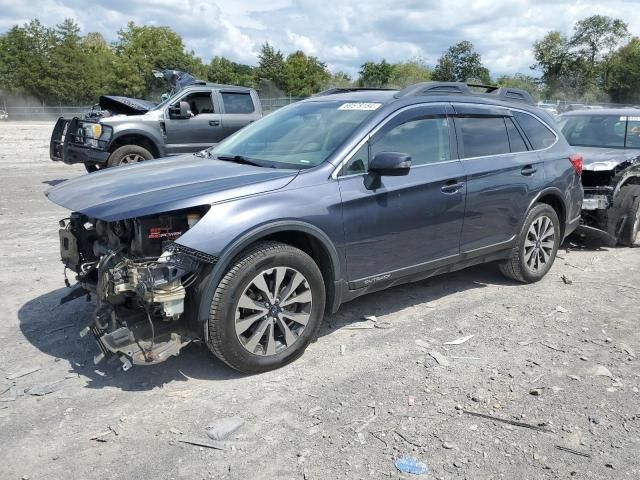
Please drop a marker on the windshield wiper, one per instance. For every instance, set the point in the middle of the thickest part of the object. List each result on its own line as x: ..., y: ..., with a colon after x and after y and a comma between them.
x: 238, y: 159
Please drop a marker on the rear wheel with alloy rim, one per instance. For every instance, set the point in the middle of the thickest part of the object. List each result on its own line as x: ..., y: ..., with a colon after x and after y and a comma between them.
x: 536, y: 247
x: 267, y: 308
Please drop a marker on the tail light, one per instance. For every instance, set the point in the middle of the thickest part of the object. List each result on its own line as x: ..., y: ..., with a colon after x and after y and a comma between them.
x: 576, y: 163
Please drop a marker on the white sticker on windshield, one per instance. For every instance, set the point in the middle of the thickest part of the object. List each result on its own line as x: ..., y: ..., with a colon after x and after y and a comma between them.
x: 359, y: 106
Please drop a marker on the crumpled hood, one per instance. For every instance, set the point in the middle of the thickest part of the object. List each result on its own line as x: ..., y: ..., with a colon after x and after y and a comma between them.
x: 601, y: 159
x: 124, y: 105
x: 164, y: 185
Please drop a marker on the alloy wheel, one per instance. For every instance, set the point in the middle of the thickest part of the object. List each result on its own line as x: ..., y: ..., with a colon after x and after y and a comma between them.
x: 131, y: 158
x: 539, y: 244
x: 273, y: 311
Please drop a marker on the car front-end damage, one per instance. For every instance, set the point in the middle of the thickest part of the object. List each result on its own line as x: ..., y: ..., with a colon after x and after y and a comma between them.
x: 141, y: 281
x: 603, y: 180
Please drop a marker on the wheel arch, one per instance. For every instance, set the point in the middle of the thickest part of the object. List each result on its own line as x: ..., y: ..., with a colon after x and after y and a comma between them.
x: 308, y: 238
x: 139, y: 139
x: 555, y: 199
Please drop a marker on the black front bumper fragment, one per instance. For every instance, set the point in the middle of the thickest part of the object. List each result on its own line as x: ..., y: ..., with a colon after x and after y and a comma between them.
x: 67, y: 144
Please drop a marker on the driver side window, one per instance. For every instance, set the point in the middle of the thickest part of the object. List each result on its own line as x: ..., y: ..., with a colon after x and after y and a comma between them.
x: 199, y: 102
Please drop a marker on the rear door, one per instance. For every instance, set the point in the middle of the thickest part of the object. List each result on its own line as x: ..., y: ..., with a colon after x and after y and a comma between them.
x: 198, y: 132
x: 239, y: 110
x: 503, y: 175
x: 410, y: 221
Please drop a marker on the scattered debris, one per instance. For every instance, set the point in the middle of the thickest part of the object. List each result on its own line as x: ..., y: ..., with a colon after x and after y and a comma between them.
x: 343, y: 349
x: 99, y: 437
x: 459, y: 341
x: 175, y: 431
x: 207, y: 444
x: 510, y: 422
x: 438, y: 357
x: 601, y: 371
x: 411, y: 465
x: 567, y: 280
x: 557, y: 349
x: 371, y: 318
x: 535, y: 392
x: 448, y: 446
x: 628, y: 350
x: 23, y: 373
x: 571, y: 450
x: 410, y: 442
x: 61, y: 327
x: 45, y: 389
x: 411, y: 400
x: 525, y: 343
x: 382, y: 325
x: 560, y: 309
x: 222, y: 428
x: 574, y: 377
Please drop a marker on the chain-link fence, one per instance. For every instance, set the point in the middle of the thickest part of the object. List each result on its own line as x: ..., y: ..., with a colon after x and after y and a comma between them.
x: 44, y: 113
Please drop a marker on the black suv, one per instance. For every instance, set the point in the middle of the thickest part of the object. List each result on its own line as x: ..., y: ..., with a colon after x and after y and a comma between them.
x: 247, y: 245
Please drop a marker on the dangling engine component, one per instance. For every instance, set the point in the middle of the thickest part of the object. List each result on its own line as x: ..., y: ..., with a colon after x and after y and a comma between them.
x: 140, y: 279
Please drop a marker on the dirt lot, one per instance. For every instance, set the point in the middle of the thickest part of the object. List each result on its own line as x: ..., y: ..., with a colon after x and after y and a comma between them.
x: 556, y: 356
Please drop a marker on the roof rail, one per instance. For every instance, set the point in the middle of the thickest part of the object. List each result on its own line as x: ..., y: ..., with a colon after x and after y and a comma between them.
x: 459, y: 88
x: 334, y: 91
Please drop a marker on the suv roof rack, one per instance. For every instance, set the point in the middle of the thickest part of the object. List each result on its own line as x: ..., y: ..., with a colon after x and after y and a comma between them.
x: 459, y: 88
x: 334, y: 91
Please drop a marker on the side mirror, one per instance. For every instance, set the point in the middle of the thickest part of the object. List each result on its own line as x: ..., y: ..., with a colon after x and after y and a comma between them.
x: 180, y: 111
x: 387, y: 164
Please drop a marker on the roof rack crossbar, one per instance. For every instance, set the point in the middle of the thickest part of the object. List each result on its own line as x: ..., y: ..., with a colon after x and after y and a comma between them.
x: 459, y: 88
x: 334, y: 91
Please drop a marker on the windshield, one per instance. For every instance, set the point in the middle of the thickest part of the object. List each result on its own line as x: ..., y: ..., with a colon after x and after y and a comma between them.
x: 610, y: 131
x: 302, y: 135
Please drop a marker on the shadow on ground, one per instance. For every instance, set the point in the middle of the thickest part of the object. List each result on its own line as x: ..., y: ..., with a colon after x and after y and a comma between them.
x: 54, y: 328
x: 53, y: 183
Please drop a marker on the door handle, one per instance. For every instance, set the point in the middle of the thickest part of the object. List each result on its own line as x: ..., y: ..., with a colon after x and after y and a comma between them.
x: 528, y: 170
x: 214, y: 123
x: 452, y: 186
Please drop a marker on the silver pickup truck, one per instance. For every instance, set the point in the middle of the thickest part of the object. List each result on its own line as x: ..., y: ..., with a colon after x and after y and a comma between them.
x: 128, y: 130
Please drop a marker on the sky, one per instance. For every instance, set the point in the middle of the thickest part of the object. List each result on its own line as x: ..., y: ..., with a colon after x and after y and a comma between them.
x: 344, y: 34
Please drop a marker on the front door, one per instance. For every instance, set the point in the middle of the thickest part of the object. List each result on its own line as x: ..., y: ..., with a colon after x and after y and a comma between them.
x: 410, y: 221
x: 201, y: 130
x: 503, y: 175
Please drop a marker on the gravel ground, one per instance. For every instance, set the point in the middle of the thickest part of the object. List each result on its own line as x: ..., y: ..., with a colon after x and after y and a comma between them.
x: 561, y: 357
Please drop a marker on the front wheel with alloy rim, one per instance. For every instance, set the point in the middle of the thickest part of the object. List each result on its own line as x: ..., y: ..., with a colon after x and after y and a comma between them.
x: 267, y: 308
x: 536, y: 246
x: 128, y: 155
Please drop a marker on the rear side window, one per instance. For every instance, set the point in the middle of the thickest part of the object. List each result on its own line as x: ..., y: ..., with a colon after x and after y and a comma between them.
x: 515, y: 139
x: 483, y: 136
x: 538, y: 134
x: 237, y: 102
x: 425, y: 139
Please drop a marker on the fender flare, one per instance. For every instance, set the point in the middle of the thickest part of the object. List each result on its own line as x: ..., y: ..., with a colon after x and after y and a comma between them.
x: 151, y: 136
x: 246, y: 239
x: 556, y: 192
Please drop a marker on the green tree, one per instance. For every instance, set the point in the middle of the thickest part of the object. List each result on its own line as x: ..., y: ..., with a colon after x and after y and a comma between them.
x: 340, y: 79
x: 595, y: 37
x: 409, y: 72
x: 522, y: 81
x: 271, y: 65
x: 223, y: 70
x: 375, y: 75
x: 25, y: 60
x: 304, y: 75
x: 461, y: 63
x: 139, y: 50
x: 623, y: 83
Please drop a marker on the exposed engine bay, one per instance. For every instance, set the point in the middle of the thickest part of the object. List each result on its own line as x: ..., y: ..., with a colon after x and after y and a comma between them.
x: 141, y: 281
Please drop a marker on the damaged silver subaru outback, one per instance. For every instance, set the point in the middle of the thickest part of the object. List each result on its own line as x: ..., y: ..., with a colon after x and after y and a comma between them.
x: 245, y: 246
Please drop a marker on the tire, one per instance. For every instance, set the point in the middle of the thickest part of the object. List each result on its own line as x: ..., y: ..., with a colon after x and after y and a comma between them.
x: 127, y: 155
x: 530, y: 260
x: 624, y: 216
x: 253, y: 343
